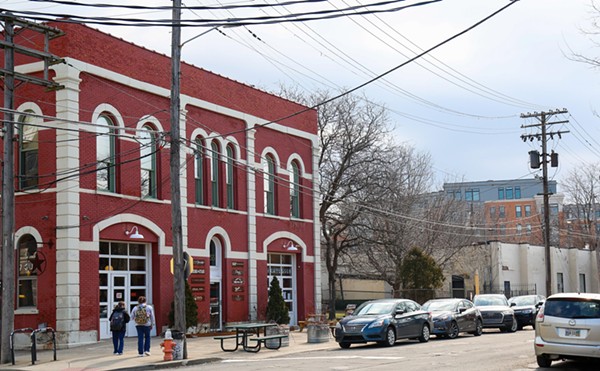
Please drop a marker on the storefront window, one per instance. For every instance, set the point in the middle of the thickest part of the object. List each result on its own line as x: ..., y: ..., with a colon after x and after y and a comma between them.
x: 28, y: 269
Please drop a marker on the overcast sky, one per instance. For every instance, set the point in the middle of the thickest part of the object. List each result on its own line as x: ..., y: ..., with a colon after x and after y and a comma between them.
x: 461, y: 103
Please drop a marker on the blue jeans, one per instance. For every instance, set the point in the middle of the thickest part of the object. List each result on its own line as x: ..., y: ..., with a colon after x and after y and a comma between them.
x: 143, y: 333
x: 117, y: 337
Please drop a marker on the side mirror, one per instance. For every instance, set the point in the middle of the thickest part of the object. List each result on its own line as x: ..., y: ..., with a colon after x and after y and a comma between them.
x: 513, y: 304
x: 461, y: 310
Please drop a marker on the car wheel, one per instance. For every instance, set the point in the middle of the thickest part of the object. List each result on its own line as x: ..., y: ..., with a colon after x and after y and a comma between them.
x: 390, y: 337
x: 515, y: 325
x: 344, y: 345
x: 453, y: 330
x: 425, y: 334
x: 543, y: 361
x: 478, y: 328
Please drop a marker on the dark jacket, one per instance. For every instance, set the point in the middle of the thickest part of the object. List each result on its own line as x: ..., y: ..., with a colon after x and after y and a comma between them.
x: 125, y: 316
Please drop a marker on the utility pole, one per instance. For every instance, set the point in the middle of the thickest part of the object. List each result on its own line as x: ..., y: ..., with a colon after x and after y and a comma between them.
x: 178, y: 266
x: 535, y: 160
x: 9, y: 75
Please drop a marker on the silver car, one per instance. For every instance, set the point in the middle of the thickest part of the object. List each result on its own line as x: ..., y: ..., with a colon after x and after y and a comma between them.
x: 568, y: 326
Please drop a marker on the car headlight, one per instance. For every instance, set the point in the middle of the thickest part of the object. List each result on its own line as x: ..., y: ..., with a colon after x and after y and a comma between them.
x: 507, y: 312
x: 527, y: 311
x: 444, y: 317
x: 377, y: 323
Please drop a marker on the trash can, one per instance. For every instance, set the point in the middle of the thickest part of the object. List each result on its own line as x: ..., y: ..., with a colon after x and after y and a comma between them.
x: 178, y: 339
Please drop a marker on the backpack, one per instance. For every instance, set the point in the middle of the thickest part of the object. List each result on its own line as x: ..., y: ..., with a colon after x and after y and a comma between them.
x: 141, y: 315
x: 117, y: 323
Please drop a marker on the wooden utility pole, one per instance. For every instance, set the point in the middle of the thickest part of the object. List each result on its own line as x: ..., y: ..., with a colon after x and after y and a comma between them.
x: 535, y: 156
x: 9, y: 75
x: 178, y: 266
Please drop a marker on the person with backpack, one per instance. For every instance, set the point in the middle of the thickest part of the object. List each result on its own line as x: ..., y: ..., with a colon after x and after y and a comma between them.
x: 118, y: 325
x: 143, y: 316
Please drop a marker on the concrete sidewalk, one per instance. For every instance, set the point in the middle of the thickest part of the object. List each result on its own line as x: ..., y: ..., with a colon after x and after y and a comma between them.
x: 201, y: 350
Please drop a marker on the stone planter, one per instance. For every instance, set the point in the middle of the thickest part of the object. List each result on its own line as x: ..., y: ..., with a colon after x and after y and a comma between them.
x: 279, y: 330
x: 317, y: 332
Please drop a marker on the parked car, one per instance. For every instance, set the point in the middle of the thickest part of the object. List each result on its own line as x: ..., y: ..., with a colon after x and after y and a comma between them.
x: 526, y: 308
x: 567, y: 326
x: 496, y: 312
x: 384, y: 321
x: 453, y: 316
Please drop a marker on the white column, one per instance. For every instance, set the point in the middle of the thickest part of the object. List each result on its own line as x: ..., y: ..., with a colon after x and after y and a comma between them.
x: 252, y: 256
x: 67, y: 210
x: 316, y: 224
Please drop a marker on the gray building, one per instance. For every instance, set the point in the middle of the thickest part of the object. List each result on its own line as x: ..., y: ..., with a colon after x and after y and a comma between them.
x: 496, y: 190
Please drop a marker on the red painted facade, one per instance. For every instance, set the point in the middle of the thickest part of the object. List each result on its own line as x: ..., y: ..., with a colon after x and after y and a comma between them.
x: 134, y: 82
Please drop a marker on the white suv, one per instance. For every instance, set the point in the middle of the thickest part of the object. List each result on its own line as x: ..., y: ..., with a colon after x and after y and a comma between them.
x: 568, y: 326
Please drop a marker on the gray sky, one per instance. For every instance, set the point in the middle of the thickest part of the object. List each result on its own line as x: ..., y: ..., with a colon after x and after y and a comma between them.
x: 461, y: 103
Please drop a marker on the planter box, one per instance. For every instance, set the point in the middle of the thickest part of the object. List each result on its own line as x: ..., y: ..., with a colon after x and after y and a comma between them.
x: 317, y: 332
x: 279, y: 330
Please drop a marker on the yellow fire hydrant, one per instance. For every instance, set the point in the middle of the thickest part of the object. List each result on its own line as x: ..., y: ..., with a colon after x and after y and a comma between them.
x: 168, y: 344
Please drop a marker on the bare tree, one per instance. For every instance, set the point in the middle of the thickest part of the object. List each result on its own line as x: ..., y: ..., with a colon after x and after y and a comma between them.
x: 581, y: 186
x: 407, y: 216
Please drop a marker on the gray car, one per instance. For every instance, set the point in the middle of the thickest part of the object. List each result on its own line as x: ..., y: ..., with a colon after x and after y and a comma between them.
x: 496, y: 312
x: 568, y: 326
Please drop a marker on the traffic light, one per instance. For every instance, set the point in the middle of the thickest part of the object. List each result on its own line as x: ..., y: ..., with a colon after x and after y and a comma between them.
x: 554, y: 159
x: 534, y: 159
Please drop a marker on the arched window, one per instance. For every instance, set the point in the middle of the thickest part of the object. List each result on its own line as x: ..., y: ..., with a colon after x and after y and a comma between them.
x: 199, y: 170
x: 295, y: 191
x: 29, y: 265
x: 148, y: 148
x: 215, y: 258
x: 269, y: 185
x: 28, y: 152
x: 214, y: 173
x: 105, y: 155
x: 229, y: 179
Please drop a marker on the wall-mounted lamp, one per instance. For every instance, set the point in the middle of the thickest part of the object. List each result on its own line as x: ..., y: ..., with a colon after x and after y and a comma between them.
x: 289, y: 246
x: 134, y: 233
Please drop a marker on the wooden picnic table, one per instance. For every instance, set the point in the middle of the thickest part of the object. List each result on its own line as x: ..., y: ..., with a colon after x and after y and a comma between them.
x: 250, y: 332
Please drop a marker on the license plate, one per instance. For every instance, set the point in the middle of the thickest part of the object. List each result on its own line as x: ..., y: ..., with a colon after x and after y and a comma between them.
x: 572, y: 333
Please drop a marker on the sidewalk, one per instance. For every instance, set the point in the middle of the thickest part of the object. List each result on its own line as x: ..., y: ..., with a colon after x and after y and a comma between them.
x: 200, y: 350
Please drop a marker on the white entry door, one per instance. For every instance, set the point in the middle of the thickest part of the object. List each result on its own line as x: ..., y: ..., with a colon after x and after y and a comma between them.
x: 116, y: 290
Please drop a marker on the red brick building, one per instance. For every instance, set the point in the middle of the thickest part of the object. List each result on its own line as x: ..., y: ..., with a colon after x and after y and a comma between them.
x: 93, y: 211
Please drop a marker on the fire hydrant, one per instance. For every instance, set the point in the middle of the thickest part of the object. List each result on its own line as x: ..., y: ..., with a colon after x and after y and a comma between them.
x: 168, y: 344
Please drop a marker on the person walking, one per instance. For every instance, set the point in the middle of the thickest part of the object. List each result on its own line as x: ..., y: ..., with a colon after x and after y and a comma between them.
x: 118, y: 325
x: 143, y: 316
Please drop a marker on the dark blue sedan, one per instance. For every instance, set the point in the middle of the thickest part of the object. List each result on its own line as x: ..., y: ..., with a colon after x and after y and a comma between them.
x: 453, y: 316
x: 384, y: 321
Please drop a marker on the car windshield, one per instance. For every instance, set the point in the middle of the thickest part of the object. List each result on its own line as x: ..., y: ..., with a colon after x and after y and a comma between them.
x: 483, y: 301
x: 439, y: 305
x: 374, y: 308
x: 572, y: 308
x: 523, y: 300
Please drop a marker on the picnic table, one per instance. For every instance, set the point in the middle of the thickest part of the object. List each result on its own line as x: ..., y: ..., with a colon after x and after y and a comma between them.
x: 246, y: 333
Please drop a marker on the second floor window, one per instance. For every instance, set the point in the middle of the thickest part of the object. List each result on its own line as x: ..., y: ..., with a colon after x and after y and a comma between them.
x: 148, y: 148
x: 295, y: 191
x: 518, y: 211
x: 28, y: 152
x: 214, y: 174
x: 269, y: 185
x: 199, y: 170
x: 492, y: 212
x: 105, y: 155
x: 230, y: 178
x: 501, y: 212
x: 527, y: 210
